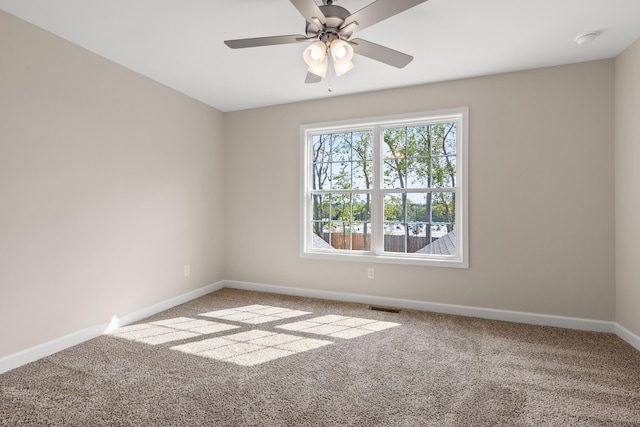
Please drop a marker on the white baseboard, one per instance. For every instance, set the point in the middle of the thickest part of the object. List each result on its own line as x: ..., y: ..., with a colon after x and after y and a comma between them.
x: 484, y: 313
x: 15, y: 360
x: 162, y: 306
x: 32, y: 354
x: 628, y: 336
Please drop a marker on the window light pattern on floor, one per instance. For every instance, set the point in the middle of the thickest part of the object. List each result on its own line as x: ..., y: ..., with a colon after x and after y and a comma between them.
x: 164, y: 331
x: 255, y: 314
x: 253, y: 347
x: 339, y: 326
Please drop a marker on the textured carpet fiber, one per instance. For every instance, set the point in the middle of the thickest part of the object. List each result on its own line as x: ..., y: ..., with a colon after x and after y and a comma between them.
x: 236, y: 358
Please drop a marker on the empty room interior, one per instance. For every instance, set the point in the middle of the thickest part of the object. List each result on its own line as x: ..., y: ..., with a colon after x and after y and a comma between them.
x: 144, y: 164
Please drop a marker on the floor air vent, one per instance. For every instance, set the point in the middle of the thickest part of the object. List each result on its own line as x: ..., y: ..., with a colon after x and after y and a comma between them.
x: 385, y: 309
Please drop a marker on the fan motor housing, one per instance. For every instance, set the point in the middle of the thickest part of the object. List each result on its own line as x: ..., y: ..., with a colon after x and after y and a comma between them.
x: 335, y: 16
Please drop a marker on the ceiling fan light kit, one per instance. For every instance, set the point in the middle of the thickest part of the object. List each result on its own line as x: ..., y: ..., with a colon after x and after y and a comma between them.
x: 332, y: 27
x: 317, y: 57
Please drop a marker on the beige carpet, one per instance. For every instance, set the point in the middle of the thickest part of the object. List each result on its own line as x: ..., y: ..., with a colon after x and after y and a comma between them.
x: 238, y: 358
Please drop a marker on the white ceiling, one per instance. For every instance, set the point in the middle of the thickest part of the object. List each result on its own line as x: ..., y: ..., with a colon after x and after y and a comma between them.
x: 180, y: 43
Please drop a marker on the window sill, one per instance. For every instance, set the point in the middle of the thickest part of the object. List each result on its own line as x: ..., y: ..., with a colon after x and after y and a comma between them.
x: 387, y: 258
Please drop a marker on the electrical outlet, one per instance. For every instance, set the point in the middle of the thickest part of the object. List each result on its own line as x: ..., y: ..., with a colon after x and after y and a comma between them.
x: 187, y: 270
x: 371, y: 274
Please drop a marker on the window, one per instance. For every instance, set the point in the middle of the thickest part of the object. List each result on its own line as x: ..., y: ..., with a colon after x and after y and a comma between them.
x: 387, y: 190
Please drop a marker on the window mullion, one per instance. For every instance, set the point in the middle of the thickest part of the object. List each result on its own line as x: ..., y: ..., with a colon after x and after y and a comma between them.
x: 377, y: 214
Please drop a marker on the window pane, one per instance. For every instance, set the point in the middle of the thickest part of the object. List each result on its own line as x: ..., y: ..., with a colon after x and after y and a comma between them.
x: 444, y: 154
x: 321, y: 212
x: 342, y: 161
x: 442, y: 233
x: 362, y: 175
x: 342, y: 221
x: 394, y: 151
x: 443, y: 209
x: 340, y: 175
x: 320, y: 155
x: 444, y: 171
x: 419, y: 156
x: 340, y: 147
x: 405, y: 217
x: 413, y: 222
x: 418, y: 169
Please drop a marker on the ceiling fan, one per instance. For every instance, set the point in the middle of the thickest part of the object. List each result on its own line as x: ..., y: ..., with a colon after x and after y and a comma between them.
x: 331, y: 27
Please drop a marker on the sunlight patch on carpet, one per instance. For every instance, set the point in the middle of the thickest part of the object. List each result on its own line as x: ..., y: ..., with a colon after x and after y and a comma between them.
x: 339, y: 326
x: 175, y: 329
x: 255, y: 314
x: 250, y: 347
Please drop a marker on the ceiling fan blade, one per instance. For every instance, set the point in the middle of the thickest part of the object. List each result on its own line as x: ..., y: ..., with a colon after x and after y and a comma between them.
x: 312, y: 78
x: 265, y: 41
x: 378, y: 11
x: 309, y: 9
x: 380, y: 53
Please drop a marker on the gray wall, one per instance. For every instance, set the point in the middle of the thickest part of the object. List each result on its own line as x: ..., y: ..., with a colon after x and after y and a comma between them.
x: 627, y: 158
x: 109, y: 184
x: 541, y: 203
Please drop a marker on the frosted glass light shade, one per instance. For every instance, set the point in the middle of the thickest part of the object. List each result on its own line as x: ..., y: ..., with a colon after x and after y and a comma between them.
x: 320, y: 69
x: 341, y: 50
x: 340, y: 69
x: 316, y: 58
x: 341, y: 54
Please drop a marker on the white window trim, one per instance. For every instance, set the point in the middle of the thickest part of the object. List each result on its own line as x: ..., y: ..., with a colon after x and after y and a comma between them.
x: 461, y: 115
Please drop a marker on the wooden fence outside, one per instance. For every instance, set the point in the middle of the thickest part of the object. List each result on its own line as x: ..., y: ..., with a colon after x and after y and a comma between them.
x: 392, y: 243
